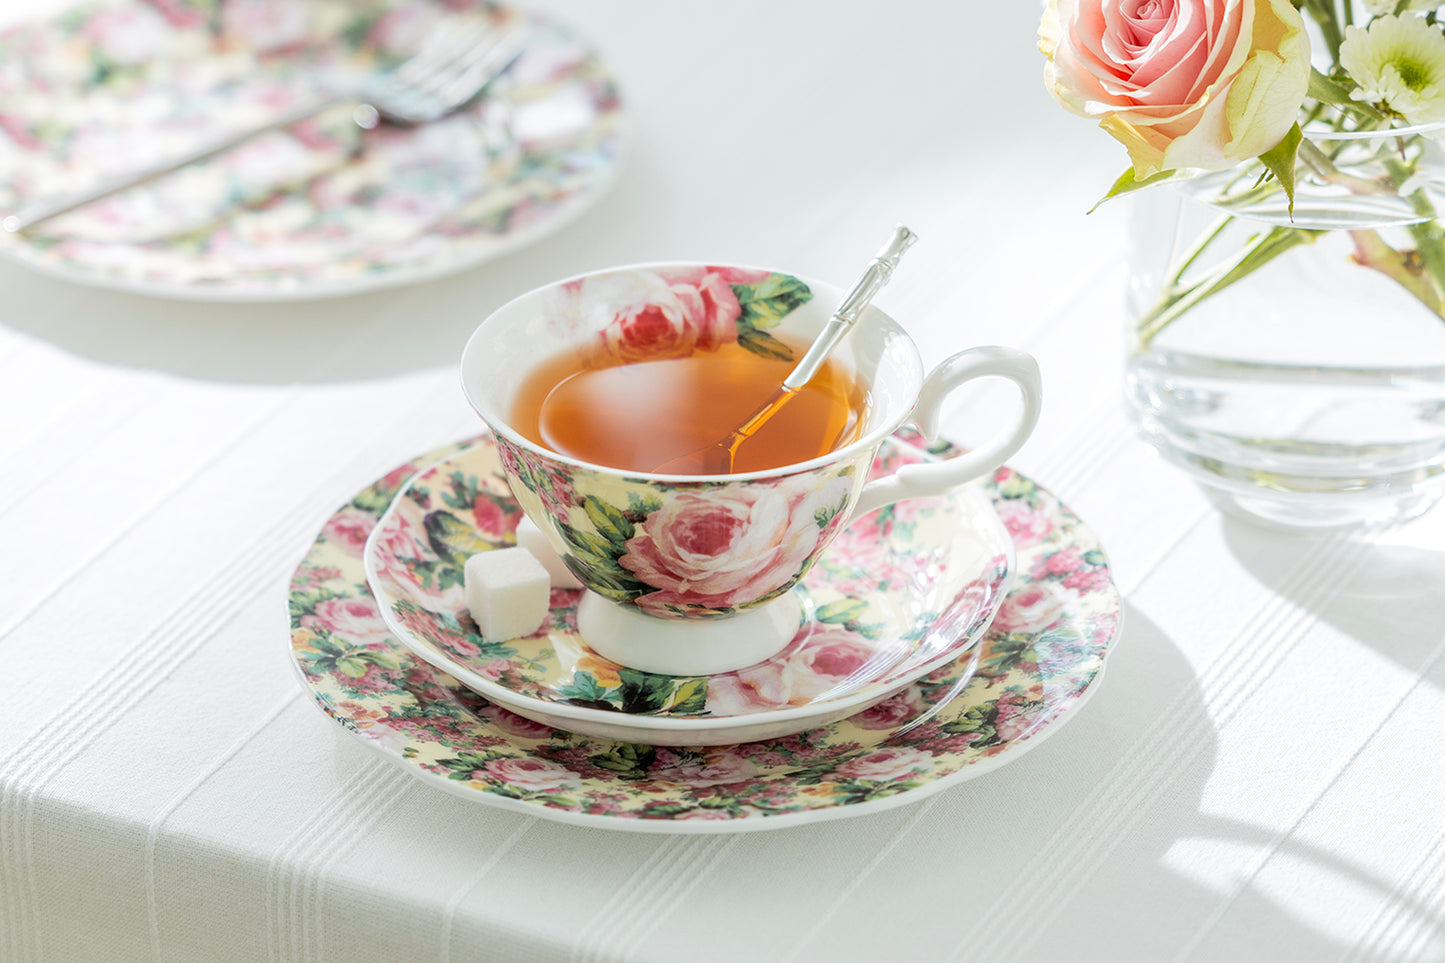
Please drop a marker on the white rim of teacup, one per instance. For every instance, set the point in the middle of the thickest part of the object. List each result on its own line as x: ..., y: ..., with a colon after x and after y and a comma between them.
x: 873, y: 437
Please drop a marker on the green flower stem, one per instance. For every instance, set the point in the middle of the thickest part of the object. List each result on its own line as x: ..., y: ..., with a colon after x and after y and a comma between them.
x: 1428, y: 237
x: 1324, y: 167
x: 1323, y: 12
x: 1179, y: 298
x: 1372, y: 252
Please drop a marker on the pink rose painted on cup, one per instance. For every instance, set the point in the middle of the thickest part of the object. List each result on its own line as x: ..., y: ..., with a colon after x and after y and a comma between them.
x: 355, y: 619
x: 1181, y: 83
x: 531, y: 775
x: 733, y: 545
x: 887, y: 765
x: 643, y: 316
x: 1032, y: 609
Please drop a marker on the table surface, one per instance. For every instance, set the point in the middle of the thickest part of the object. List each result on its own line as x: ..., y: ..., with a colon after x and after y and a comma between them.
x: 1258, y: 776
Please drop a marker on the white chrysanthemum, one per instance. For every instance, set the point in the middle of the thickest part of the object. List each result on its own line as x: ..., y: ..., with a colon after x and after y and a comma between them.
x: 1399, y: 64
x: 1376, y: 8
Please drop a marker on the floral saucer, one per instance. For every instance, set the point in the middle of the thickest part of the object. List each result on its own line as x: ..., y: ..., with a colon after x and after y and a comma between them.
x: 900, y: 592
x: 317, y: 209
x: 1039, y: 661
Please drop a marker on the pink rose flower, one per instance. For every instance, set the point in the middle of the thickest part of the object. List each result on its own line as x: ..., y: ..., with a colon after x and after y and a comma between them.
x: 356, y: 620
x: 731, y: 695
x: 1181, y: 83
x: 492, y: 519
x: 1025, y: 526
x: 1016, y: 717
x: 716, y: 769
x: 642, y: 316
x: 1064, y: 561
x: 1031, y: 610
x: 887, y: 764
x: 729, y: 546
x: 392, y: 549
x: 514, y: 724
x: 348, y: 530
x: 731, y: 275
x: 827, y: 657
x: 892, y: 712
x: 532, y: 775
x: 1087, y: 580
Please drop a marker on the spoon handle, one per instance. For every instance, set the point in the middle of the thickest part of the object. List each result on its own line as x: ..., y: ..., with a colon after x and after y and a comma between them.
x: 877, y: 274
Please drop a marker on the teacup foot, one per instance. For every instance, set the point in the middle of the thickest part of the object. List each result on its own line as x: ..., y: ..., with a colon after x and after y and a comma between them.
x: 687, y: 647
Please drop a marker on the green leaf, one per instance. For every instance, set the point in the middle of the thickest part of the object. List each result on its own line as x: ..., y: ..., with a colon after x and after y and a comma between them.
x: 453, y: 539
x: 643, y: 691
x: 351, y: 666
x: 825, y: 515
x: 841, y: 611
x: 584, y: 687
x: 586, y: 543
x: 690, y: 697
x: 628, y: 760
x: 765, y: 304
x: 1280, y: 160
x: 1128, y: 183
x: 642, y: 504
x: 763, y: 344
x: 610, y: 523
x: 1328, y: 91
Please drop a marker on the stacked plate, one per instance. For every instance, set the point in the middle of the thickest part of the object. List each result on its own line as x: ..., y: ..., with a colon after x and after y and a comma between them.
x: 898, y: 594
x: 941, y: 637
x: 318, y: 208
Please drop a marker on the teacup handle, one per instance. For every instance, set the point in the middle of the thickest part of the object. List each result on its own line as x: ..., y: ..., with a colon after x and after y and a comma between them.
x: 936, y: 478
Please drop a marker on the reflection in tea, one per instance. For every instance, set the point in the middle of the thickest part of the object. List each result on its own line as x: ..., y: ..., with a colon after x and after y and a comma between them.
x: 640, y: 416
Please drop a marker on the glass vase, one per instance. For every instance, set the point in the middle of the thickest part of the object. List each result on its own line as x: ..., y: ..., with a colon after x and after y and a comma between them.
x: 1293, y: 362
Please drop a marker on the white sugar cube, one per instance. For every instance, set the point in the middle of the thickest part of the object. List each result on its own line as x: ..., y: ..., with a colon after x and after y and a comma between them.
x: 530, y: 537
x: 507, y: 592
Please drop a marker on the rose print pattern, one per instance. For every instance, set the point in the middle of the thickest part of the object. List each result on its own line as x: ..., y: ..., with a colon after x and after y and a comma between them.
x: 859, y: 640
x: 717, y: 549
x: 697, y: 550
x: 318, y: 207
x: 653, y: 315
x: 931, y: 735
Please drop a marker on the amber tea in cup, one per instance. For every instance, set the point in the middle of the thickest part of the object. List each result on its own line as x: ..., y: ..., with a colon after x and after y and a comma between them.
x: 645, y: 414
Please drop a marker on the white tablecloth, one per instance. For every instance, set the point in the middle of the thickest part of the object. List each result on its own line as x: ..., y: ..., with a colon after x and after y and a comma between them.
x: 1258, y: 777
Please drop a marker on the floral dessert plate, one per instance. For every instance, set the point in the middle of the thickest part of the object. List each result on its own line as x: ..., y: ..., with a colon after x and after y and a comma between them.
x: 898, y: 593
x: 315, y: 209
x: 1038, y: 662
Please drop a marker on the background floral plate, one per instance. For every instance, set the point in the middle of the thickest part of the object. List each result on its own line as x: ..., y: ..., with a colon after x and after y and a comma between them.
x: 900, y: 592
x: 320, y: 208
x: 1038, y: 662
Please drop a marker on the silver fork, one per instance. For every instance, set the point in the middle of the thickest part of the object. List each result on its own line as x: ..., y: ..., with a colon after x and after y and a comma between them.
x: 455, y: 64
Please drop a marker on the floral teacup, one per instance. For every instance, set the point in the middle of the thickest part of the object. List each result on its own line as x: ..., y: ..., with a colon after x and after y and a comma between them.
x: 690, y: 575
